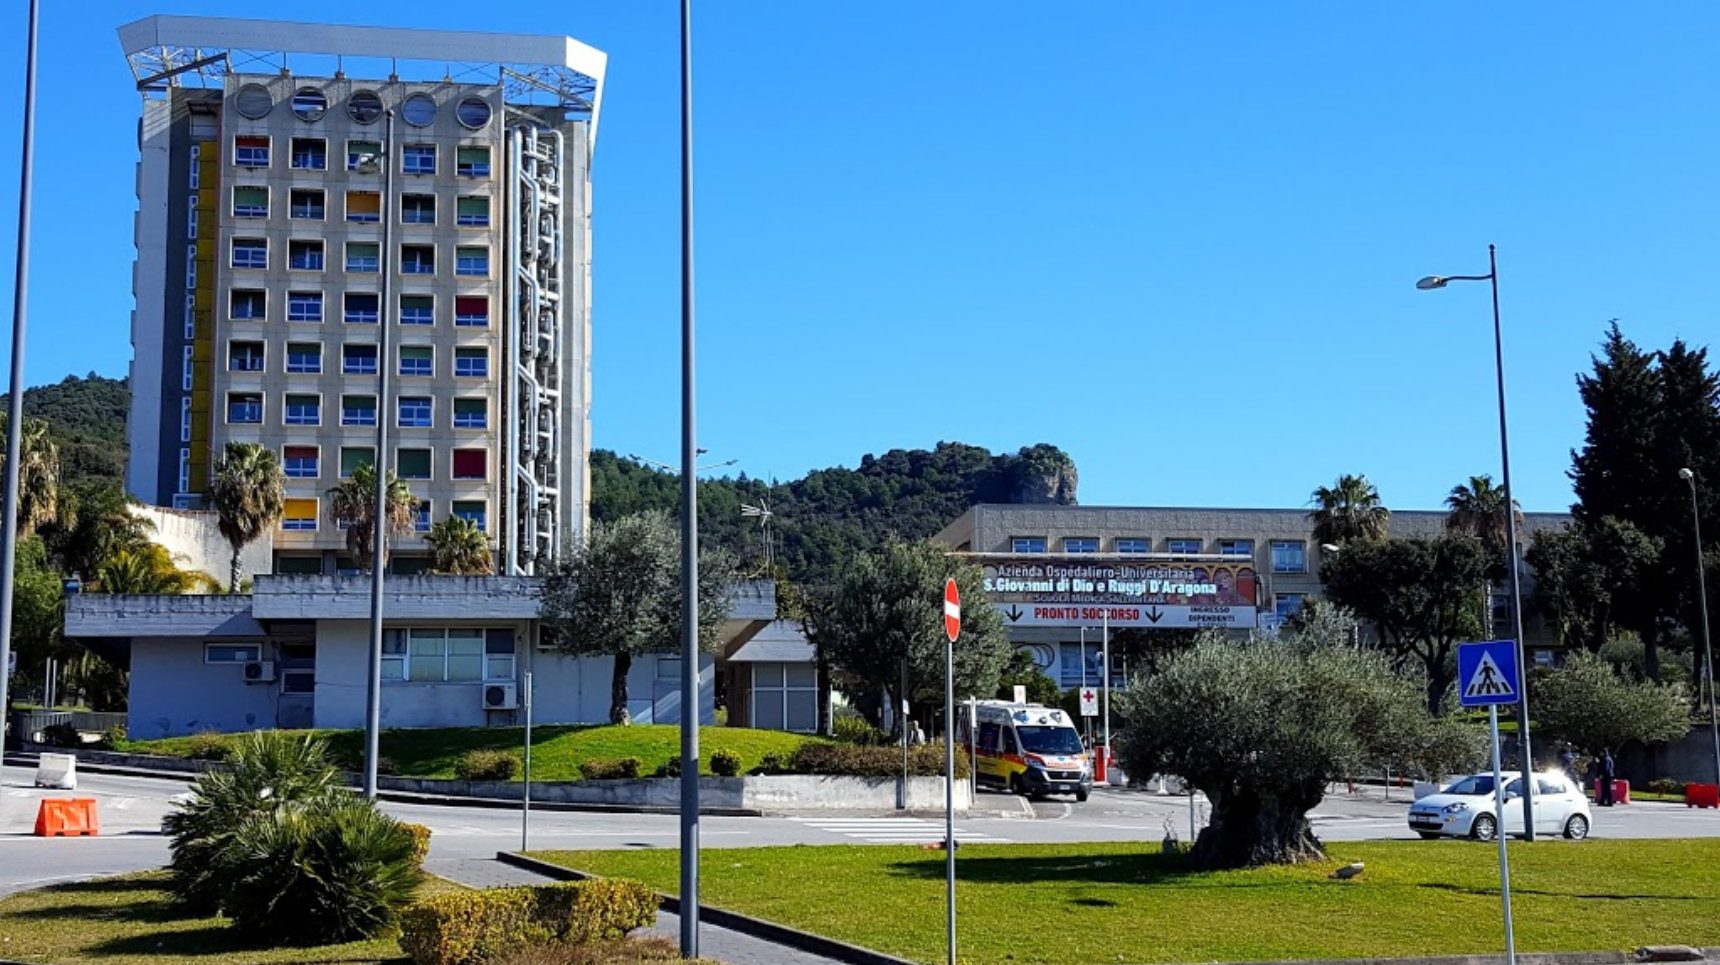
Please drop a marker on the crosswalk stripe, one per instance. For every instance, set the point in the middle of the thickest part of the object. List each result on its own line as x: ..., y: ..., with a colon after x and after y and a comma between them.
x: 893, y: 830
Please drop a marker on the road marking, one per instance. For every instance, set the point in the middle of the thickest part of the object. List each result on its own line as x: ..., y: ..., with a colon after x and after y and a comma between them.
x: 894, y: 830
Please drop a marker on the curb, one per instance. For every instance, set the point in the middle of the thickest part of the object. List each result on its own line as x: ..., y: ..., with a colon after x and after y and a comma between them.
x: 756, y: 927
x: 1523, y: 958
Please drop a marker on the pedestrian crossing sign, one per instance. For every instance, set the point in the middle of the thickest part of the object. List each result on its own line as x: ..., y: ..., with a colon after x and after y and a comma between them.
x: 1487, y: 673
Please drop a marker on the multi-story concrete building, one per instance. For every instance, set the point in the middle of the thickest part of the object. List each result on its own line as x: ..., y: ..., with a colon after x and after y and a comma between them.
x: 1062, y: 573
x: 289, y: 252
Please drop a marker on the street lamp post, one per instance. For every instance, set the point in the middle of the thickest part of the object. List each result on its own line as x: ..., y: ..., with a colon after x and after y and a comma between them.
x: 1707, y: 638
x: 379, y: 464
x: 1430, y: 283
x: 689, y: 524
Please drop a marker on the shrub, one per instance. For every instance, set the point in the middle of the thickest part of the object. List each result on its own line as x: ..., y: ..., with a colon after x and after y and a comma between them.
x: 62, y: 735
x: 770, y: 764
x: 208, y: 746
x: 486, y: 765
x: 670, y: 767
x: 1665, y: 785
x: 336, y: 871
x: 477, y: 927
x: 420, y: 842
x: 924, y: 760
x: 111, y: 738
x: 853, y: 729
x: 725, y: 763
x: 609, y: 768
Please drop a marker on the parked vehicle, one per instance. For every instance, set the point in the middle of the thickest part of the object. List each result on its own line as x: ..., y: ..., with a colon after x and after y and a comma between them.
x: 1467, y: 808
x: 1027, y: 749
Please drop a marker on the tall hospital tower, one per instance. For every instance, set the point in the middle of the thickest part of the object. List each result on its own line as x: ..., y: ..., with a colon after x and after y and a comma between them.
x: 278, y: 276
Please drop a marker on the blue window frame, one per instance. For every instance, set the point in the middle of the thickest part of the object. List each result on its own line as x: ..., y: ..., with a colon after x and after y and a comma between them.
x: 415, y: 412
x: 245, y: 356
x: 1185, y: 545
x: 472, y: 162
x: 304, y: 306
x: 471, y: 414
x: 304, y: 410
x: 305, y: 255
x: 421, y: 516
x: 310, y: 153
x: 362, y: 257
x: 1285, y: 604
x: 304, y: 357
x: 1027, y: 544
x: 306, y: 204
x: 249, y: 201
x: 358, y: 410
x: 417, y: 259
x: 251, y: 150
x: 250, y: 253
x: 472, y: 362
x: 300, y: 462
x: 472, y: 261
x: 244, y: 408
x: 419, y: 158
x: 358, y: 359
x: 1236, y: 547
x: 361, y: 308
x: 247, y: 303
x: 417, y: 360
x: 1289, y: 556
x: 361, y: 152
x: 470, y: 509
x: 417, y: 209
x: 472, y: 310
x: 1134, y: 544
x: 417, y: 310
x: 1080, y: 544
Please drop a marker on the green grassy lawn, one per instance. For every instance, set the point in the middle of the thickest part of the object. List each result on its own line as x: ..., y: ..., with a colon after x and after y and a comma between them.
x: 556, y: 751
x: 129, y: 920
x: 1092, y: 903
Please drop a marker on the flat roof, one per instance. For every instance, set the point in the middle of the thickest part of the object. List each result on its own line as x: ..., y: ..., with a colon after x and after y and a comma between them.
x: 168, y: 50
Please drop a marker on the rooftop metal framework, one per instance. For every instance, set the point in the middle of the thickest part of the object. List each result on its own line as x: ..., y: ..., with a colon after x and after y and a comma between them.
x: 167, y: 51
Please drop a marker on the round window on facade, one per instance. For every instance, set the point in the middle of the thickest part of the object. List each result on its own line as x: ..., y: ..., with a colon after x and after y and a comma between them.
x: 253, y: 101
x: 419, y: 110
x: 309, y: 104
x: 473, y: 112
x: 364, y: 106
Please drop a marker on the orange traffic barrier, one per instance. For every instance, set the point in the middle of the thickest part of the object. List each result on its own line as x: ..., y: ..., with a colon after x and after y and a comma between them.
x: 1702, y: 795
x: 67, y: 817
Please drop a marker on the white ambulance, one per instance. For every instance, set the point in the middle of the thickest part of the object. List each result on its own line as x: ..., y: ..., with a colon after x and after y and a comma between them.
x: 1026, y: 748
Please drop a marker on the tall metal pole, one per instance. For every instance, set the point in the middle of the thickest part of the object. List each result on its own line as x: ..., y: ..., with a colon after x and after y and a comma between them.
x: 1707, y: 637
x: 1105, y: 657
x: 379, y: 464
x: 1511, y: 564
x: 526, y: 784
x: 950, y: 795
x: 1499, y: 833
x: 15, y: 404
x: 689, y: 525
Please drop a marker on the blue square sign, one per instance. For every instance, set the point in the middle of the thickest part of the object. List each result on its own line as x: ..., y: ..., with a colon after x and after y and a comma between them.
x: 1487, y: 673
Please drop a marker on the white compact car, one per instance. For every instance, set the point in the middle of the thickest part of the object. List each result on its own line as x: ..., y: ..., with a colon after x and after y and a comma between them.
x: 1466, y: 809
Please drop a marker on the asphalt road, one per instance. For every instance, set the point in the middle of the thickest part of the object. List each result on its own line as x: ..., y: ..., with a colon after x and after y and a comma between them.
x: 465, y: 840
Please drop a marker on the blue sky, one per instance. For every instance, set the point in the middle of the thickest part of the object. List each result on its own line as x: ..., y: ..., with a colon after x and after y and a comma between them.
x: 1178, y: 240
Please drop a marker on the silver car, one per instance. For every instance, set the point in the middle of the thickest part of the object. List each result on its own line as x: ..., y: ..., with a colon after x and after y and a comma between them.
x: 1466, y: 808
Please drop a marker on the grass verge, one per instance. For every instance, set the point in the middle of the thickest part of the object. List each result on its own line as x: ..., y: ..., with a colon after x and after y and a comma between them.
x: 1092, y: 903
x: 556, y: 751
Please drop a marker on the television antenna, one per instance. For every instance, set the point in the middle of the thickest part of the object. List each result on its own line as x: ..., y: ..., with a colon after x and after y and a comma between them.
x: 762, y: 513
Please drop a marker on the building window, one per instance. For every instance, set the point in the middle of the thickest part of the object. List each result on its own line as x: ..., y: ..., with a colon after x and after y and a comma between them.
x: 244, y: 408
x: 232, y: 652
x: 417, y: 209
x: 360, y: 154
x: 310, y: 153
x: 304, y: 410
x: 184, y: 474
x: 438, y: 655
x: 421, y: 516
x: 361, y: 308
x: 251, y: 150
x: 244, y: 356
x: 473, y: 211
x: 1236, y: 547
x: 471, y: 510
x: 309, y: 104
x: 299, y: 462
x: 417, y: 360
x: 412, y: 463
x: 357, y: 359
x: 472, y: 310
x: 191, y: 218
x: 354, y: 458
x: 471, y: 464
x: 305, y: 255
x: 1285, y: 604
x: 250, y: 253
x: 363, y: 257
x: 418, y: 159
x: 1080, y: 544
x: 784, y: 696
x: 184, y: 425
x: 358, y: 410
x: 472, y: 362
x: 299, y: 515
x: 1134, y: 544
x: 304, y: 358
x: 1289, y: 556
x: 471, y: 414
x: 418, y: 259
x: 1185, y: 545
x: 472, y: 261
x: 304, y: 306
x: 414, y: 412
x: 247, y: 303
x: 306, y: 204
x: 363, y: 206
x: 186, y: 371
x: 250, y: 201
x: 472, y: 162
x: 417, y: 309
x: 1027, y: 544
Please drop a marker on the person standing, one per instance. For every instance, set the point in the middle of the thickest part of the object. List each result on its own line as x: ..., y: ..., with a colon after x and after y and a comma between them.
x: 1568, y: 763
x: 1606, y: 769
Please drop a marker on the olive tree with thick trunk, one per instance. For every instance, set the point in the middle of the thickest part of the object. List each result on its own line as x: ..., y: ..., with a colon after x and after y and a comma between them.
x: 1262, y: 727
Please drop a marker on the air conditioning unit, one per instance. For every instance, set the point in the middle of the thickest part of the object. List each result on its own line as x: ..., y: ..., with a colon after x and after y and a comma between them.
x: 501, y: 697
x: 259, y: 671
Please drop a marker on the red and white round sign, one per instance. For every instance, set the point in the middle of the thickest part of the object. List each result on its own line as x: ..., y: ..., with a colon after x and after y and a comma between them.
x: 952, y: 610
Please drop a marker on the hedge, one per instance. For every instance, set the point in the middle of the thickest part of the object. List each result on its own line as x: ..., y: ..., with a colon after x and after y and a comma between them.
x: 479, y: 927
x: 924, y: 760
x: 609, y: 769
x: 420, y: 843
x: 486, y: 765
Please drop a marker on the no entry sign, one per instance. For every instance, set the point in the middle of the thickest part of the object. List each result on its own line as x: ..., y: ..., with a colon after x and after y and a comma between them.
x: 952, y: 610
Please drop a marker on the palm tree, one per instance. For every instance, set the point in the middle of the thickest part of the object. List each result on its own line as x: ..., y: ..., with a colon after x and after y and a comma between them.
x: 1349, y: 509
x: 150, y: 569
x: 93, y: 523
x: 352, y: 504
x: 248, y: 492
x: 38, y: 475
x: 459, y: 547
x: 1478, y: 509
